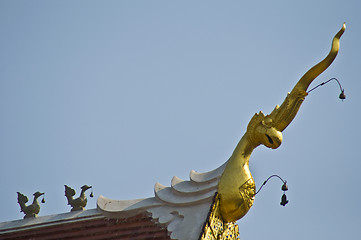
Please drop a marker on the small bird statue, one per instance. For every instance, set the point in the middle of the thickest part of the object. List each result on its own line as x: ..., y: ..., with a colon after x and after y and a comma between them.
x: 80, y: 202
x: 33, y: 209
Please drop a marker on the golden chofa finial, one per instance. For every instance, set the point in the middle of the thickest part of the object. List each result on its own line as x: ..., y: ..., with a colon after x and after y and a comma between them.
x: 236, y: 187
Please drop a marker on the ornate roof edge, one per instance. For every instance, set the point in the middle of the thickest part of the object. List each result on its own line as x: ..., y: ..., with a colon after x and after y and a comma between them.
x: 183, y: 206
x: 215, y: 228
x: 50, y: 220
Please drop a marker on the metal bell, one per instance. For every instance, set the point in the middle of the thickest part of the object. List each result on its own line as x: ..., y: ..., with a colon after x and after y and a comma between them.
x: 284, y: 200
x: 342, y: 95
x: 284, y: 187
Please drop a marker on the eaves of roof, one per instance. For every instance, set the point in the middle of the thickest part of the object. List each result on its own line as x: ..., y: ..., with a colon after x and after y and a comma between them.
x: 179, y: 211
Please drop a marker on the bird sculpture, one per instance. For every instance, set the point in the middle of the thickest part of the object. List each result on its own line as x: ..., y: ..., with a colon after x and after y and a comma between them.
x: 236, y: 187
x: 33, y: 209
x: 77, y: 203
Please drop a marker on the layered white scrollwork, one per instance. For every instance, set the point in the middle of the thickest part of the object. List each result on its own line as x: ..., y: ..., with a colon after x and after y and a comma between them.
x: 183, y: 206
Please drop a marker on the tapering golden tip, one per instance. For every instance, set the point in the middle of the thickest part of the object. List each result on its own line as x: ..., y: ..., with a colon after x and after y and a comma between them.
x: 339, y: 34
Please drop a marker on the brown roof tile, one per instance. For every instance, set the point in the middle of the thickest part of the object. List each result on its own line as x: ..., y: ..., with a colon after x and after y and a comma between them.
x: 138, y: 227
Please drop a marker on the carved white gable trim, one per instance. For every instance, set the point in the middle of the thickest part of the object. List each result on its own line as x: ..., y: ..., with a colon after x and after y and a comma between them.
x: 183, y: 206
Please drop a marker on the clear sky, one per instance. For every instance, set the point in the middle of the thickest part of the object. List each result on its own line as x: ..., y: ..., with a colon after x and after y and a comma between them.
x: 123, y: 94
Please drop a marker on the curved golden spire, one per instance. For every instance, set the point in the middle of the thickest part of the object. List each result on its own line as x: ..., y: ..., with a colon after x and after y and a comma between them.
x: 309, y: 76
x: 283, y: 115
x: 236, y: 187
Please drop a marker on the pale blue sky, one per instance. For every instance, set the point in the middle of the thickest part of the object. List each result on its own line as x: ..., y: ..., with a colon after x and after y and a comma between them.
x: 122, y: 94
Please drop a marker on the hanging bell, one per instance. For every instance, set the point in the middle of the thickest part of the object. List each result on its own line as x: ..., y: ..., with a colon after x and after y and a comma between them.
x: 284, y: 187
x: 342, y: 95
x: 91, y: 194
x: 43, y: 200
x: 284, y: 200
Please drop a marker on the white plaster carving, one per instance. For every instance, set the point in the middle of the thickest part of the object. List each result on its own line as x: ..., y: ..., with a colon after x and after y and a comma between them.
x: 183, y: 206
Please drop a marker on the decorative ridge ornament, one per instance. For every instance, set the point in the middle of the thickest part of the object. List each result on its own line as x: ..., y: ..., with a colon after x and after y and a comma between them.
x: 215, y: 228
x: 236, y: 187
x: 184, y: 205
x: 33, y: 209
x: 80, y: 202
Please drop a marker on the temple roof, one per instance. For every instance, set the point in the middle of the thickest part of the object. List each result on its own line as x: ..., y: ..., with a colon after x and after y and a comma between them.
x: 88, y: 224
x: 179, y: 211
x: 183, y: 207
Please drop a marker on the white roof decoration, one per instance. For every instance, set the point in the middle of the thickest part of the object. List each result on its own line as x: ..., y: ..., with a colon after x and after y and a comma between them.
x: 183, y: 206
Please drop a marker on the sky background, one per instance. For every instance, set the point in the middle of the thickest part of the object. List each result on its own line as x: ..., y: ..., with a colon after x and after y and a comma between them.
x: 123, y: 94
